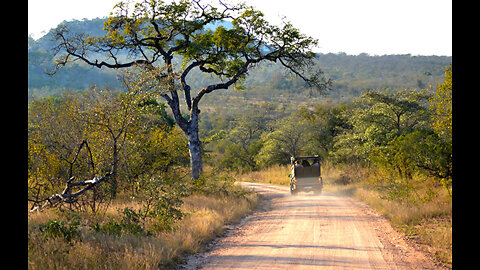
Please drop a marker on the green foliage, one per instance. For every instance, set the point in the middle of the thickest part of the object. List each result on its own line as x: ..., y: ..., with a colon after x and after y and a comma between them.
x: 399, y: 191
x: 111, y: 228
x: 130, y: 224
x: 60, y: 229
x: 54, y: 135
x: 156, y: 112
x: 290, y: 137
x: 129, y: 133
x: 429, y: 153
x: 165, y: 211
x: 217, y: 182
x: 388, y: 131
x: 160, y: 197
x: 376, y: 119
x: 395, y: 156
x: 441, y: 105
x: 130, y: 221
x: 392, y: 132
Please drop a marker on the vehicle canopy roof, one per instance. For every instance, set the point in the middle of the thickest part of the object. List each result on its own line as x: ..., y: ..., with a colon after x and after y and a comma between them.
x: 302, y: 168
x: 299, y: 159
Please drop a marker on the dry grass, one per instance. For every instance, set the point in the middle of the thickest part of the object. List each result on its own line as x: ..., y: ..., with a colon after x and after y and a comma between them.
x: 206, y: 217
x: 437, y: 235
x: 277, y: 174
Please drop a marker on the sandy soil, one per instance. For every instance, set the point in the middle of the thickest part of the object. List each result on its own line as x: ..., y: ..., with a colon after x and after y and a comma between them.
x: 310, y: 232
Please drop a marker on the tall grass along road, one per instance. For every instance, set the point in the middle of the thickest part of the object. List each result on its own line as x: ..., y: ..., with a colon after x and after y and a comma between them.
x: 311, y: 232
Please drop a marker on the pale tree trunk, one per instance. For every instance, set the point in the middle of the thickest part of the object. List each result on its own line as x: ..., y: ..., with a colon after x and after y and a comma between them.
x: 194, y: 146
x: 190, y: 128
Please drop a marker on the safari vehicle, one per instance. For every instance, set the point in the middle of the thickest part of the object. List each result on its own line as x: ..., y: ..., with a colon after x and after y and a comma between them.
x: 305, y: 175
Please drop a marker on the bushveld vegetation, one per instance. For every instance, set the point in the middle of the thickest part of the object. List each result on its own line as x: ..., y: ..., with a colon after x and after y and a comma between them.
x: 147, y: 212
x: 129, y: 236
x: 391, y: 150
x: 389, y: 143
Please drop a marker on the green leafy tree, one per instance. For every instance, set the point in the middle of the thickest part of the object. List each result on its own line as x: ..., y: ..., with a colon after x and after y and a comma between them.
x: 326, y: 122
x: 420, y: 151
x: 441, y: 105
x: 290, y: 137
x: 243, y: 142
x: 432, y: 154
x: 155, y: 33
x: 401, y: 111
x: 376, y: 119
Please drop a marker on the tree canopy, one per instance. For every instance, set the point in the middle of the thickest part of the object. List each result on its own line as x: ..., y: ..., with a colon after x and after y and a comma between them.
x: 153, y: 33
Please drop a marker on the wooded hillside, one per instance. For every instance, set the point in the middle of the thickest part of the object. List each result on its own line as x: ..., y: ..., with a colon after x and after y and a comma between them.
x: 351, y: 74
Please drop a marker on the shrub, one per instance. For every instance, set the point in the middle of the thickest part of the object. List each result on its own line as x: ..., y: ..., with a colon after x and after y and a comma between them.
x: 58, y: 228
x: 165, y: 212
x: 128, y: 225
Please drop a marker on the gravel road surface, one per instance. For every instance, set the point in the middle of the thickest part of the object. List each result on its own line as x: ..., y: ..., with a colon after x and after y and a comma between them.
x: 307, y: 231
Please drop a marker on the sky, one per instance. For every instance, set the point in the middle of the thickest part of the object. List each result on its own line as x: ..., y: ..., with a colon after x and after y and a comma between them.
x: 375, y: 27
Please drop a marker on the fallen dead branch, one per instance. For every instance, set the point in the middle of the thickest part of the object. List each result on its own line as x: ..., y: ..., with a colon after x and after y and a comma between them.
x: 66, y: 196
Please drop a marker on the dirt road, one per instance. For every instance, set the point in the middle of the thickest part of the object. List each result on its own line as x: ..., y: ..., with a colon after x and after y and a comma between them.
x: 310, y: 232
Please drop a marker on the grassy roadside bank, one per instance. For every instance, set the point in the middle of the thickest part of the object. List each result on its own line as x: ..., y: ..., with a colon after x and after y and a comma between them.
x: 59, y: 240
x: 427, y: 221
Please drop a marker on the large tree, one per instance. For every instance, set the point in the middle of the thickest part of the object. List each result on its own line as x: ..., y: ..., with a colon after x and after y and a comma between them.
x: 154, y: 33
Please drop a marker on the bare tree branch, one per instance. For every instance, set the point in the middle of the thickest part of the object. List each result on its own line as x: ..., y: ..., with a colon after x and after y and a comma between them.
x: 66, y: 196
